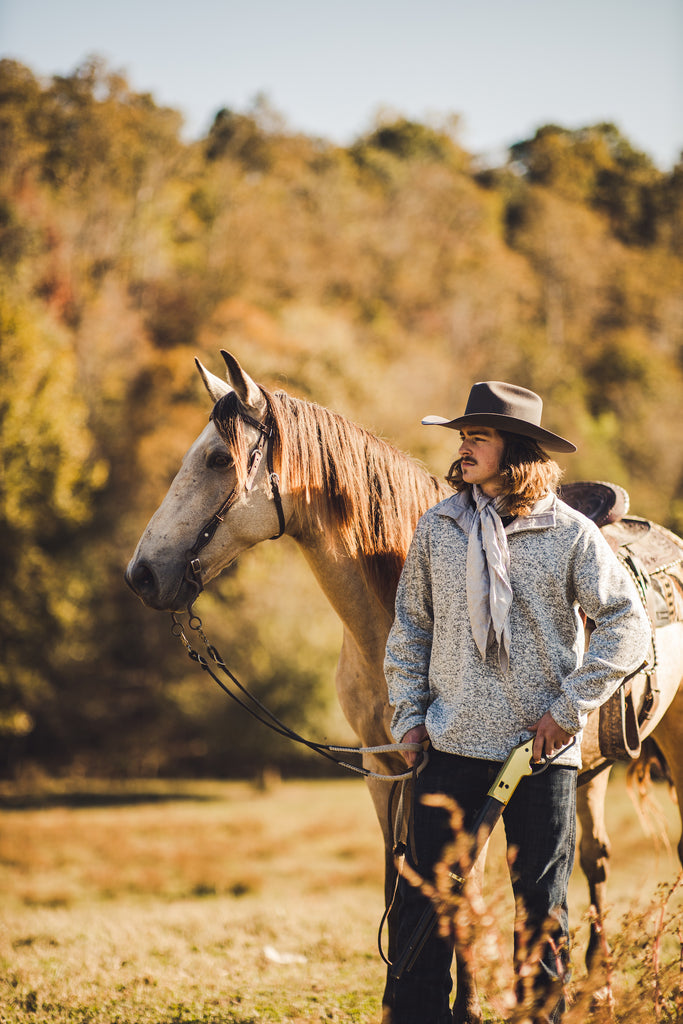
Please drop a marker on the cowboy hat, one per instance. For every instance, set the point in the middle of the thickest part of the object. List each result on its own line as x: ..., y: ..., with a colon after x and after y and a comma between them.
x: 508, y: 407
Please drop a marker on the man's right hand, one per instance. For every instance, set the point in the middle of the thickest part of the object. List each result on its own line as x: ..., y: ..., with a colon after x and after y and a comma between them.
x: 418, y: 734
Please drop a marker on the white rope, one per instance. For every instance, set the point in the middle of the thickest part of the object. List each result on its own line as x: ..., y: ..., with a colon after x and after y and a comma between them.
x: 386, y: 748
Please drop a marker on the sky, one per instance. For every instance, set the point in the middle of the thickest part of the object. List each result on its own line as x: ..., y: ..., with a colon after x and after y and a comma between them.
x: 505, y: 67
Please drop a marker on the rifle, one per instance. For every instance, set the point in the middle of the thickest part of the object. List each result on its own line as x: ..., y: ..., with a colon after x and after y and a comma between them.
x: 517, y: 765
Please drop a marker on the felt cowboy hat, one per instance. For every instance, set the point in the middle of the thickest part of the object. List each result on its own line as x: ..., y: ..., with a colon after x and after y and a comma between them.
x: 508, y: 407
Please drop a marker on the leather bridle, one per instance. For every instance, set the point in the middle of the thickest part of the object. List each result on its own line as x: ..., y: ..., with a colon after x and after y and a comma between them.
x: 193, y: 567
x: 213, y: 662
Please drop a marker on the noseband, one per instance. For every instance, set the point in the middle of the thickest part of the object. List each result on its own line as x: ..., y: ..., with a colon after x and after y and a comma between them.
x: 193, y: 567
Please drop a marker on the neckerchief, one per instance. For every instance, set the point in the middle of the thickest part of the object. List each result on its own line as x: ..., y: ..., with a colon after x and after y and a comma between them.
x: 489, y: 593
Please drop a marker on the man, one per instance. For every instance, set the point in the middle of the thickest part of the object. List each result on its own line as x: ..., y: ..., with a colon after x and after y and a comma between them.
x: 486, y: 650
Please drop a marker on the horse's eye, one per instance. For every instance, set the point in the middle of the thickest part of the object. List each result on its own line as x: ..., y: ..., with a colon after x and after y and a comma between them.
x: 218, y: 460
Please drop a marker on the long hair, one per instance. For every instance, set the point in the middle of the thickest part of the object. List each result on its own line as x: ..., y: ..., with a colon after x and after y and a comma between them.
x: 347, y: 483
x: 527, y: 471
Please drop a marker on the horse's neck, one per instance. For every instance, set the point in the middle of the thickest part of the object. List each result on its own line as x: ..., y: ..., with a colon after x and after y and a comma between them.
x: 347, y: 589
x: 361, y: 687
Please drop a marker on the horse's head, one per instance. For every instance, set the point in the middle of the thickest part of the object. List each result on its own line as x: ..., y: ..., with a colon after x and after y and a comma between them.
x: 222, y: 501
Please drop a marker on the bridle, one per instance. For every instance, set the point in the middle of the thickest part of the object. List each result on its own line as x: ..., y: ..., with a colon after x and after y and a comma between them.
x: 213, y: 662
x: 193, y: 566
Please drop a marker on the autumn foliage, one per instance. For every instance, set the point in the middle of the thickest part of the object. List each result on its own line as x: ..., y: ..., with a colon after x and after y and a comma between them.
x: 379, y: 279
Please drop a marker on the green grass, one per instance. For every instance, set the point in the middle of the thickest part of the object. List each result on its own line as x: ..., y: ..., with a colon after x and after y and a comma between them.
x: 219, y: 902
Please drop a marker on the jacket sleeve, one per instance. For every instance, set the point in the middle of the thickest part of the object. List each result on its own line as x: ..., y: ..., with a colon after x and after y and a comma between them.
x: 620, y: 642
x: 409, y: 646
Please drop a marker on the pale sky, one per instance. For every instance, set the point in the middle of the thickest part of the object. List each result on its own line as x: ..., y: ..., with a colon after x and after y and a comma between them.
x: 505, y: 66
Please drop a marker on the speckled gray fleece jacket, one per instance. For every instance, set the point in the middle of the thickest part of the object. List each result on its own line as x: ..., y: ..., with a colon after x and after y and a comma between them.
x: 435, y: 673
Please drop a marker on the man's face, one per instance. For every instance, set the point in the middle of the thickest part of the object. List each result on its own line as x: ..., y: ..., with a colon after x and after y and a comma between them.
x: 481, y: 451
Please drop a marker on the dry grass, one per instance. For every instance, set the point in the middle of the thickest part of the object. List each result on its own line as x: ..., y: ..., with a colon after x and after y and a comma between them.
x: 173, y: 904
x: 168, y: 911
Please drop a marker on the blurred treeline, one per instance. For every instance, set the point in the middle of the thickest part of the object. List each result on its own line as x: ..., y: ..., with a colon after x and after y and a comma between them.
x: 379, y: 279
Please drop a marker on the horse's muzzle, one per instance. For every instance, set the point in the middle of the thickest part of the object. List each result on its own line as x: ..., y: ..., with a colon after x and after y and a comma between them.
x: 144, y: 581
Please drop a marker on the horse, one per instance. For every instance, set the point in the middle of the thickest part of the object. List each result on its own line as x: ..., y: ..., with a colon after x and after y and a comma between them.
x: 350, y: 502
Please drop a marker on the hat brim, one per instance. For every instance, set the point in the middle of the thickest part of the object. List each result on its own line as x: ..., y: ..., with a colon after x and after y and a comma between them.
x: 553, y: 442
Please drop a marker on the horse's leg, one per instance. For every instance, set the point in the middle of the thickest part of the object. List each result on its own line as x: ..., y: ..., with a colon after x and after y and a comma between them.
x: 668, y: 736
x: 383, y: 795
x: 594, y: 850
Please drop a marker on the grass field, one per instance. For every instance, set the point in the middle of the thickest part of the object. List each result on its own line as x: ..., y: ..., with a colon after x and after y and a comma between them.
x: 172, y: 903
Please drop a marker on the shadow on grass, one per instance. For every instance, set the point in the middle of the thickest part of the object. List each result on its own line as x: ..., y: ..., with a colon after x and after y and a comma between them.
x: 84, y: 799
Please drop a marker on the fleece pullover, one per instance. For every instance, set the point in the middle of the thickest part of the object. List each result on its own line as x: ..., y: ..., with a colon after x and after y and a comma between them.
x: 559, y: 561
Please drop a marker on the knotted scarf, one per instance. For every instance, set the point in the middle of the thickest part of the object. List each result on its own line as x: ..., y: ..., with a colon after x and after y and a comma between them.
x: 489, y: 593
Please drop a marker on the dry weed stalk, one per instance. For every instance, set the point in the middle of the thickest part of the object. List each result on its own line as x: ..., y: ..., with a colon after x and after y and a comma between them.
x: 593, y: 998
x: 629, y: 984
x: 660, y: 930
x: 639, y: 788
x: 678, y: 993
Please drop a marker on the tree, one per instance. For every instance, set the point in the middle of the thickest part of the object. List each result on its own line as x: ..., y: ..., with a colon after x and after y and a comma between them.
x: 50, y: 473
x: 599, y: 166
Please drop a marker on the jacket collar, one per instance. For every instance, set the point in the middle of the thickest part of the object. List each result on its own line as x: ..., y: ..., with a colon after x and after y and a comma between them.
x: 542, y: 516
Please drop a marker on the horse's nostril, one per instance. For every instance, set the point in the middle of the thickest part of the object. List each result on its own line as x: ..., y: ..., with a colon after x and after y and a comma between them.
x: 140, y: 578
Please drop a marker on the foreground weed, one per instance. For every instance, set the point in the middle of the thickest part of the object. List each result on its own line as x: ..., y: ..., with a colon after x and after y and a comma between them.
x: 637, y: 980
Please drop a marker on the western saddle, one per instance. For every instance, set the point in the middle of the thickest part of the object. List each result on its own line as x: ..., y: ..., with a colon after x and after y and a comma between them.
x: 653, y: 556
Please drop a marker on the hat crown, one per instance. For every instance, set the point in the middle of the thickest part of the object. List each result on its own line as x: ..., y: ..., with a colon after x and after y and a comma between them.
x: 508, y: 407
x: 500, y: 399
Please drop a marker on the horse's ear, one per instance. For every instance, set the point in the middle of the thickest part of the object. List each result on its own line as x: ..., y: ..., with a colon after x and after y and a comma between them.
x: 248, y: 392
x: 213, y: 384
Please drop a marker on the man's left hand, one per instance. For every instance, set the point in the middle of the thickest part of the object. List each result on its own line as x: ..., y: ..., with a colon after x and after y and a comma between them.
x: 550, y: 737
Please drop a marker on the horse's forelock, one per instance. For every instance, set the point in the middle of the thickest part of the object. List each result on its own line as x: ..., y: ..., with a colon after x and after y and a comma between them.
x: 227, y: 419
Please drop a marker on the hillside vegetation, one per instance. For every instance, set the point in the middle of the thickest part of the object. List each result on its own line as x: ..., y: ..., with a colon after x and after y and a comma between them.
x: 380, y: 279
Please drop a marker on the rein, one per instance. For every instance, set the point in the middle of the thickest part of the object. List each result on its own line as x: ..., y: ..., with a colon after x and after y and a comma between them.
x: 213, y: 664
x: 246, y: 700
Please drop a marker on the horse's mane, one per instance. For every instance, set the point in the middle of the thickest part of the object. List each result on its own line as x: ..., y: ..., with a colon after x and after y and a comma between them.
x: 349, y: 482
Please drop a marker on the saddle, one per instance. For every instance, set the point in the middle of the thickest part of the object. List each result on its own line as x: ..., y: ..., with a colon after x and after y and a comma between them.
x: 653, y: 556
